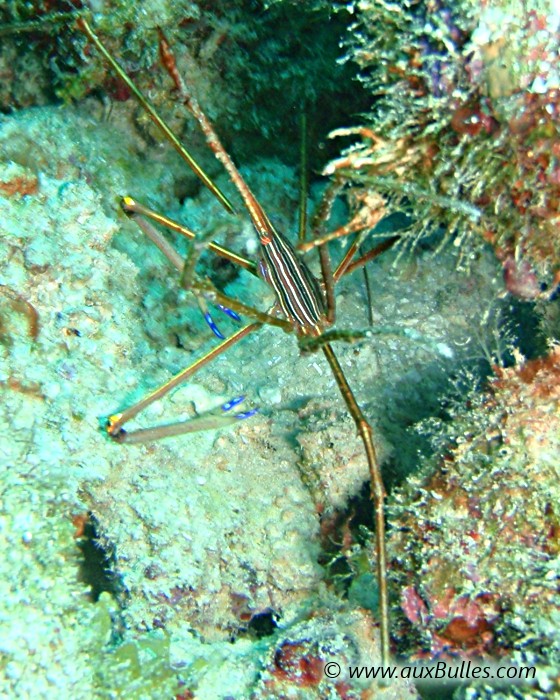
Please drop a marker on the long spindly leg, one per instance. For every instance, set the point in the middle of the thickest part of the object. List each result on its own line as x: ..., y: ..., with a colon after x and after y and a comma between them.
x: 216, y: 418
x: 117, y: 421
x: 206, y: 289
x: 377, y: 489
x: 377, y: 494
x: 203, y: 287
x: 303, y: 181
x: 131, y: 206
x: 324, y: 258
x: 360, y: 224
x: 318, y: 219
x: 84, y: 26
x: 373, y: 208
x: 347, y: 265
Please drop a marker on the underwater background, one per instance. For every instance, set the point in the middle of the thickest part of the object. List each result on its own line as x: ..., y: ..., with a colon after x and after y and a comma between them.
x: 237, y: 563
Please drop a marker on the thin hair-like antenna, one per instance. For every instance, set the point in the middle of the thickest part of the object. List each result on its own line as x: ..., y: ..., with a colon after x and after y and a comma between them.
x: 155, y: 117
x: 303, y: 180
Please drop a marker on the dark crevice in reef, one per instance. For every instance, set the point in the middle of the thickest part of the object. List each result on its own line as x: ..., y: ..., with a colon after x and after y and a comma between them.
x: 526, y: 325
x: 262, y: 625
x: 518, y: 329
x: 255, y: 626
x: 265, y: 66
x: 287, y: 61
x: 97, y: 567
x: 344, y: 533
x: 35, y: 59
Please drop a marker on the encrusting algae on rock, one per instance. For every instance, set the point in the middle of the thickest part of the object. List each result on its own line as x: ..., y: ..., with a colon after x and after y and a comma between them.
x: 466, y: 126
x: 477, y: 541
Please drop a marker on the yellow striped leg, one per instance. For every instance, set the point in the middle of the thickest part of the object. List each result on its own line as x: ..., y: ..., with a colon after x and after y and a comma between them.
x: 116, y: 422
x: 377, y: 495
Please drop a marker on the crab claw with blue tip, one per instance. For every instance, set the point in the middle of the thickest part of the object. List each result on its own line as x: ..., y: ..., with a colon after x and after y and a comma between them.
x: 210, y: 420
x: 210, y: 321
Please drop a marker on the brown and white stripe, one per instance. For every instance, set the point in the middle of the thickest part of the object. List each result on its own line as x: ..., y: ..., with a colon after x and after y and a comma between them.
x: 296, y: 289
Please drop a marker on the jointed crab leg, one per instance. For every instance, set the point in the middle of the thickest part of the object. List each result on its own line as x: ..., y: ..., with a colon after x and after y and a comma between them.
x: 132, y: 206
x: 347, y: 266
x: 116, y: 422
x: 204, y: 287
x: 258, y: 217
x: 303, y: 181
x: 377, y: 494
x: 211, y: 420
x: 377, y: 489
x: 83, y: 25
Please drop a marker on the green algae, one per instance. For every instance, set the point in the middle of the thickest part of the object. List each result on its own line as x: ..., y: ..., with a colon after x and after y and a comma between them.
x: 463, y: 125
